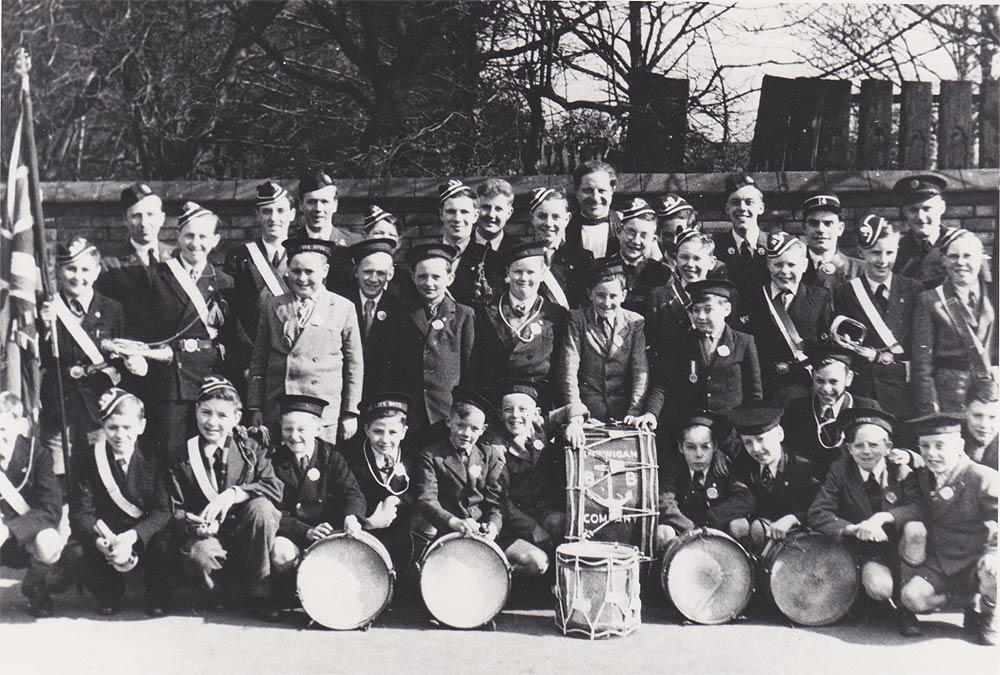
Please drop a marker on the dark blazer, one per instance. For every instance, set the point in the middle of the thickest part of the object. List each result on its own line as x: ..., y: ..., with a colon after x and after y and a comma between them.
x: 746, y: 274
x: 445, y: 488
x: 989, y: 456
x: 609, y: 377
x: 104, y: 319
x: 499, y: 353
x: 792, y: 491
x: 30, y: 471
x: 724, y: 382
x: 936, y: 342
x: 685, y: 507
x: 172, y: 314
x: 920, y: 260
x: 810, y: 313
x: 567, y: 266
x: 467, y: 269
x: 574, y: 237
x: 306, y: 501
x: 845, y: 268
x: 801, y: 427
x: 640, y: 280
x: 957, y: 527
x: 247, y: 467
x: 496, y: 271
x: 144, y: 486
x: 436, y: 359
x: 125, y: 256
x: 842, y: 499
x: 381, y: 347
x: 248, y: 284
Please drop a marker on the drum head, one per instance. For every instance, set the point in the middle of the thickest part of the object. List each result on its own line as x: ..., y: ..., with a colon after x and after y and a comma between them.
x: 709, y: 579
x: 814, y: 580
x: 464, y: 581
x: 598, y: 550
x: 344, y: 583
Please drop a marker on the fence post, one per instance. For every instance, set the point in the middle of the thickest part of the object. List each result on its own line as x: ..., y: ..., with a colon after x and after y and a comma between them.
x: 955, y: 132
x: 915, y: 126
x: 875, y: 124
x: 989, y: 110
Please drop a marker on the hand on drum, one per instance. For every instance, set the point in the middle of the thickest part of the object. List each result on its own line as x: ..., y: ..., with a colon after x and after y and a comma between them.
x: 780, y: 528
x: 871, y: 530
x: 489, y: 530
x: 384, y: 514
x: 575, y: 435
x: 465, y: 526
x: 351, y: 524
x: 322, y: 531
x: 646, y: 422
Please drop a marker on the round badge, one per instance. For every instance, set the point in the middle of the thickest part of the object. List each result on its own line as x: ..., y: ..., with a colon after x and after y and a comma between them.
x: 97, y: 314
x: 760, y: 251
x: 731, y: 251
x: 535, y: 329
x: 380, y: 315
x: 475, y: 471
x: 712, y: 493
x: 437, y: 324
x: 890, y: 497
x: 723, y: 351
x: 693, y: 378
x: 828, y: 268
x: 537, y: 444
x: 946, y: 493
x: 313, y: 474
x: 287, y: 341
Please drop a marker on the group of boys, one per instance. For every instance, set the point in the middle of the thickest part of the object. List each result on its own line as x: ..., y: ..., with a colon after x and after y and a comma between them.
x: 223, y: 417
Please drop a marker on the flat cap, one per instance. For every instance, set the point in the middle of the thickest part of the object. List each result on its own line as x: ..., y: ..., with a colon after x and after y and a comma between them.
x: 463, y: 394
x: 300, y: 403
x: 699, y: 291
x: 386, y: 401
x: 853, y: 417
x: 936, y: 423
x: 297, y: 245
x: 824, y: 353
x: 509, y: 386
x: 919, y: 187
x: 821, y: 203
x: 432, y: 250
x: 754, y: 420
x: 522, y: 250
x: 603, y: 270
x: 366, y: 247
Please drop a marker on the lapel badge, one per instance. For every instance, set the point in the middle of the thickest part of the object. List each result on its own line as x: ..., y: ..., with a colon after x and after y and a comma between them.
x: 537, y: 444
x: 97, y: 314
x: 380, y: 315
x: 287, y: 341
x: 536, y: 329
x: 475, y: 471
x: 312, y: 474
x: 723, y: 351
x: 731, y: 251
x: 890, y: 497
x: 760, y: 250
x: 437, y: 324
x: 712, y: 493
x: 828, y: 268
x: 946, y: 493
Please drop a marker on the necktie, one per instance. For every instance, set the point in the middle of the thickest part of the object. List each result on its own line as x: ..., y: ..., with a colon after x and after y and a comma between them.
x: 699, y: 479
x: 519, y: 310
x: 76, y: 306
x: 782, y: 297
x: 195, y: 274
x: 152, y: 257
x: 827, y: 414
x: 874, y: 492
x: 766, y: 478
x: 388, y: 464
x: 303, y: 310
x: 882, y: 298
x: 745, y: 251
x: 276, y: 259
x: 219, y: 469
x: 304, y: 462
x: 123, y: 465
x: 432, y: 311
x: 973, y: 304
x: 369, y: 315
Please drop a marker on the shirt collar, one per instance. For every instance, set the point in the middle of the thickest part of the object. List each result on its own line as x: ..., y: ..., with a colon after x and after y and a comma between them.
x: 878, y: 472
x: 752, y: 238
x: 493, y: 243
x: 818, y: 260
x: 872, y: 284
x: 837, y: 405
x: 143, y: 251
x: 364, y: 298
x: 84, y: 300
x: 775, y: 290
x: 209, y: 450
x: 270, y: 250
x: 773, y: 466
x: 125, y: 454
x: 188, y: 267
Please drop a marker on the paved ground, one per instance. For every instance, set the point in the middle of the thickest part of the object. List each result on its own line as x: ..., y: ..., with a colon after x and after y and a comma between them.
x: 525, y: 641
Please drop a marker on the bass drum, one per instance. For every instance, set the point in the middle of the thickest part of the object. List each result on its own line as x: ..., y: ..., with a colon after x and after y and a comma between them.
x: 464, y: 580
x: 345, y: 581
x: 707, y: 576
x: 813, y: 579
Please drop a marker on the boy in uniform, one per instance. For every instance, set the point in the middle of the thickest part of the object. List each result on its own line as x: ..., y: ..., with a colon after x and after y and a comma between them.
x: 549, y: 209
x: 982, y: 422
x: 118, y: 505
x: 31, y: 505
x: 920, y: 256
x: 459, y: 210
x: 828, y: 267
x: 636, y: 242
x: 673, y: 215
x: 742, y: 249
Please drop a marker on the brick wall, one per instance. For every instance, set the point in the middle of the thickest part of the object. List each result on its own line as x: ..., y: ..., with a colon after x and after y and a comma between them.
x: 92, y: 209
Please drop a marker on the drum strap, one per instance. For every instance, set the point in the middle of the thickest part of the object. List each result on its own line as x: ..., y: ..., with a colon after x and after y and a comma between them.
x: 874, y: 318
x: 110, y: 484
x: 198, y: 469
x: 10, y: 495
x: 271, y: 279
x: 957, y: 313
x: 785, y: 326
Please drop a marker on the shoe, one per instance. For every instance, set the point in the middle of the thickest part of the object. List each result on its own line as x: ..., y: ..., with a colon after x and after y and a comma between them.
x: 908, y: 623
x: 972, y: 621
x: 39, y: 602
x: 264, y: 609
x: 987, y: 630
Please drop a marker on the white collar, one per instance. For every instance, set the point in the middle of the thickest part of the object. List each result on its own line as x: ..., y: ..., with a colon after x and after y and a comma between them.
x: 188, y: 267
x: 143, y: 251
x: 595, y: 238
x: 872, y: 284
x: 461, y: 247
x: 752, y: 239
x: 85, y: 302
x: 209, y: 450
x: 127, y: 455
x: 773, y: 466
x: 837, y: 405
x: 493, y: 243
x: 364, y: 298
x: 775, y: 290
x: 818, y: 260
x: 270, y: 250
x: 878, y: 472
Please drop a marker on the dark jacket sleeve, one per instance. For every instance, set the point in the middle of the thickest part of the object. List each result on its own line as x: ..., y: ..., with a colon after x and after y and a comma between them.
x: 427, y: 492
x: 82, y: 511
x: 668, y: 506
x: 752, y: 388
x: 263, y: 482
x: 158, y: 511
x: 495, y: 490
x: 468, y: 345
x: 823, y: 513
x: 344, y: 496
x: 738, y: 503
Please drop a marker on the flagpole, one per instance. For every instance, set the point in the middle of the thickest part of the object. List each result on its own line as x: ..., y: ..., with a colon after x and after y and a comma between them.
x: 23, y: 67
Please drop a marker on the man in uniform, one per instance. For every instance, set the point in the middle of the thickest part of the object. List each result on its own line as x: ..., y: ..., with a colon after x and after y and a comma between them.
x: 518, y: 332
x: 785, y: 316
x: 883, y: 303
x: 144, y: 218
x: 742, y: 249
x: 982, y: 422
x: 318, y: 201
x: 321, y: 495
x: 308, y: 342
x: 595, y: 227
x: 458, y: 212
x: 954, y: 328
x: 922, y: 198
x: 952, y: 553
x: 636, y: 242
x: 828, y: 267
x: 496, y: 206
x: 31, y: 505
x: 259, y: 266
x: 380, y: 224
x: 673, y: 215
x: 549, y: 212
x: 810, y: 422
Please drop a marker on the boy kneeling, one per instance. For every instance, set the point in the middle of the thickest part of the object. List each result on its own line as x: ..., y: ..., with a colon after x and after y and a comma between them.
x: 117, y: 503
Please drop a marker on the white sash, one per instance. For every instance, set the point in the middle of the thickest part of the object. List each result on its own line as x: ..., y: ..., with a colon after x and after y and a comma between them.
x: 198, y: 469
x: 555, y: 288
x: 80, y: 337
x: 793, y: 342
x: 874, y: 318
x: 190, y: 289
x: 110, y: 484
x: 266, y: 271
x: 10, y: 495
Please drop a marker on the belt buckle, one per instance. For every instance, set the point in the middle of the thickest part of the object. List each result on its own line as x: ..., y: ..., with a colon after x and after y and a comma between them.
x: 189, y: 345
x: 781, y: 368
x: 77, y: 372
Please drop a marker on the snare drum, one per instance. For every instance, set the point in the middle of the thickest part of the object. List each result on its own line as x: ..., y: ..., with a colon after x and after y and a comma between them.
x: 345, y: 581
x: 612, y: 488
x: 707, y: 576
x: 464, y: 580
x: 597, y: 589
x: 813, y: 579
